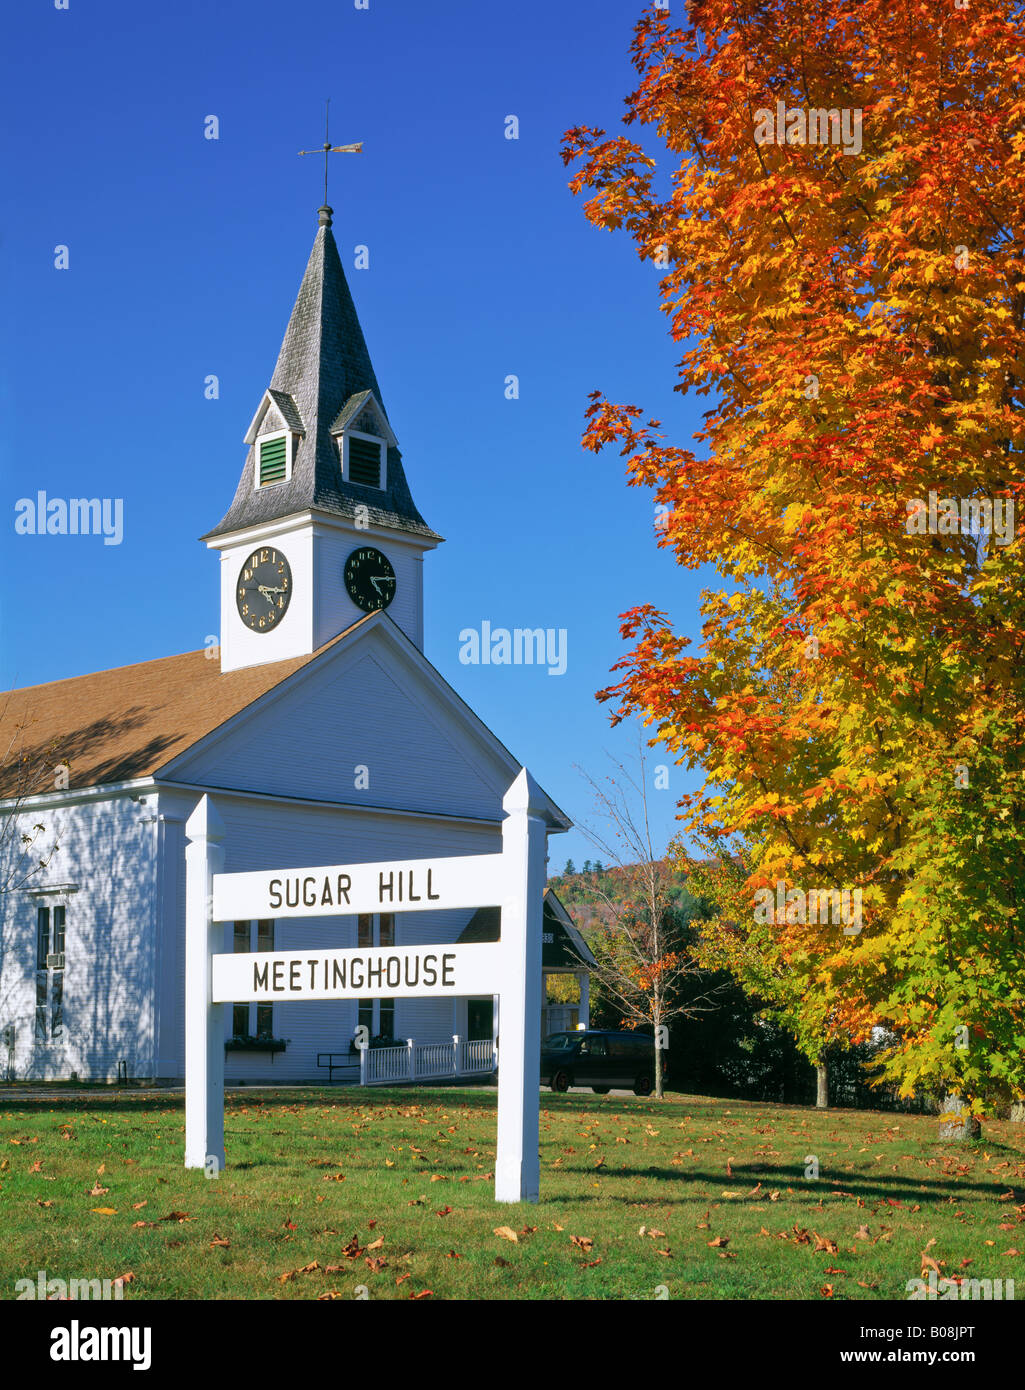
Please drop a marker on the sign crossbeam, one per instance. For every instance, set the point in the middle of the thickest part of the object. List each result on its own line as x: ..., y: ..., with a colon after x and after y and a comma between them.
x: 398, y: 972
x: 329, y: 890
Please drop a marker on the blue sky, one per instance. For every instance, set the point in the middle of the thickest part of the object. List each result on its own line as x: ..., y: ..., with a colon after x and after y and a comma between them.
x: 185, y: 258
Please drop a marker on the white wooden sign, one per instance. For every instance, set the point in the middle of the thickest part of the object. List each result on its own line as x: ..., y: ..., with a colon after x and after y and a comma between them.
x: 399, y: 972
x: 511, y: 968
x: 408, y: 885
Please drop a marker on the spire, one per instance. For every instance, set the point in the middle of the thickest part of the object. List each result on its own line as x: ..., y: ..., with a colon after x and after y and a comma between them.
x: 322, y: 366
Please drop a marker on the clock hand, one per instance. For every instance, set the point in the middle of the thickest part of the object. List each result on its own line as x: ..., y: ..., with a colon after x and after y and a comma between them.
x: 378, y: 579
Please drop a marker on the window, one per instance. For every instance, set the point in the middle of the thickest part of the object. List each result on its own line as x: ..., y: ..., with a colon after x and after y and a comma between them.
x: 253, y: 1020
x: 363, y: 460
x: 49, y: 1025
x: 57, y: 943
x: 41, y: 1018
x: 377, y: 1016
x: 274, y: 459
x: 57, y: 1006
x: 42, y: 937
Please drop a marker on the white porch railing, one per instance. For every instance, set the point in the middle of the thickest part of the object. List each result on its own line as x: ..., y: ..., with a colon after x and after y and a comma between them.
x: 383, y: 1066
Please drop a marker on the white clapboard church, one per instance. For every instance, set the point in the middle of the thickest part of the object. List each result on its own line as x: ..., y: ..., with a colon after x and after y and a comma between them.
x: 319, y: 729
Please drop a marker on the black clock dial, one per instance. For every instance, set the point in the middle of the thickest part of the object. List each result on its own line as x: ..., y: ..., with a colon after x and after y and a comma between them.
x: 264, y: 589
x: 369, y: 579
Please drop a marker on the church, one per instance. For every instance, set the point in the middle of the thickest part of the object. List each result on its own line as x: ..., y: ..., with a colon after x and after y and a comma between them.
x: 318, y: 728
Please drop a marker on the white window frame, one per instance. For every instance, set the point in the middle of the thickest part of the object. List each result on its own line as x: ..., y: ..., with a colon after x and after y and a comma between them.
x: 373, y: 439
x: 289, y: 437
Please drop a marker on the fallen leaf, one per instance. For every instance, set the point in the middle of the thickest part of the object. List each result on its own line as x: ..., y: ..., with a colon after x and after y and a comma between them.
x: 104, y: 1211
x: 507, y: 1233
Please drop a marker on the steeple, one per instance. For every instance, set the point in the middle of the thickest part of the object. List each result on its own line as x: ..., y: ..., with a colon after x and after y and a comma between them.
x: 323, y: 385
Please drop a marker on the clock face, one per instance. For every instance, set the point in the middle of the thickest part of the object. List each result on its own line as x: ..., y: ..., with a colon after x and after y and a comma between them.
x: 369, y: 579
x: 264, y: 589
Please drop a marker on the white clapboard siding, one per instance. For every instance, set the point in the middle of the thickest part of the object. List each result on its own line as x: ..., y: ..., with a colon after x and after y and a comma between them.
x: 359, y: 706
x: 108, y: 849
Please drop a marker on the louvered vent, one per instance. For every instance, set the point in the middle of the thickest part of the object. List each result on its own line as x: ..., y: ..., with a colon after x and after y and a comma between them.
x: 364, y: 462
x: 273, y: 460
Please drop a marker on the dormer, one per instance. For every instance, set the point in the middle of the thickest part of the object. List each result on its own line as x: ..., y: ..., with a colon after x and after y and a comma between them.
x: 363, y: 437
x: 274, y: 434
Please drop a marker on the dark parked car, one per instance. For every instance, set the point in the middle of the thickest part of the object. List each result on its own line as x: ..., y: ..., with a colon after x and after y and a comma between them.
x: 600, y: 1060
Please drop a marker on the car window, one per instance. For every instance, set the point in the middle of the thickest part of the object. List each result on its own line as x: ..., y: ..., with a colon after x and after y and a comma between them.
x: 595, y: 1047
x: 556, y: 1041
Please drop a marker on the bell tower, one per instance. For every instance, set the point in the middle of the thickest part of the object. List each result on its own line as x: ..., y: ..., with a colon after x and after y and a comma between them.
x: 322, y: 529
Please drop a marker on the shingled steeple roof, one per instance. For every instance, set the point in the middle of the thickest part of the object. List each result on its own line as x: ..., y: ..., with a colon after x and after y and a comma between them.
x: 322, y: 367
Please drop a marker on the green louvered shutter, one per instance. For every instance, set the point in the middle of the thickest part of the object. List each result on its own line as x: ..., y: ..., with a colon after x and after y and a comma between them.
x: 273, y: 460
x: 364, y: 462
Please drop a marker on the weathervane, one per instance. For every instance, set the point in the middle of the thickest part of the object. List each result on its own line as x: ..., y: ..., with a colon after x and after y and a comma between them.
x: 327, y: 147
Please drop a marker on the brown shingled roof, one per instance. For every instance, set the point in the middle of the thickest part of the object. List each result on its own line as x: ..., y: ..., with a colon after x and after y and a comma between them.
x: 115, y: 726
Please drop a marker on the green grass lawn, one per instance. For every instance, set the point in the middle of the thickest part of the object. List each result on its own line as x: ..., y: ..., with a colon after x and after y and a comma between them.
x: 327, y: 1191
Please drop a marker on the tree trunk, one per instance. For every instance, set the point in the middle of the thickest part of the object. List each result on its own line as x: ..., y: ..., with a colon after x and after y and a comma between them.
x: 821, y: 1086
x: 1017, y: 1115
x: 658, y: 1063
x: 956, y: 1122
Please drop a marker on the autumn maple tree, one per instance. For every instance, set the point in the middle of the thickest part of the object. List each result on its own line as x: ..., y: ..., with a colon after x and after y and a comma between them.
x: 853, y: 310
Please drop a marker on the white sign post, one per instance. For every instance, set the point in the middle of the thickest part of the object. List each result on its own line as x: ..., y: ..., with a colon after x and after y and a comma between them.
x: 509, y: 968
x: 204, y: 1020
